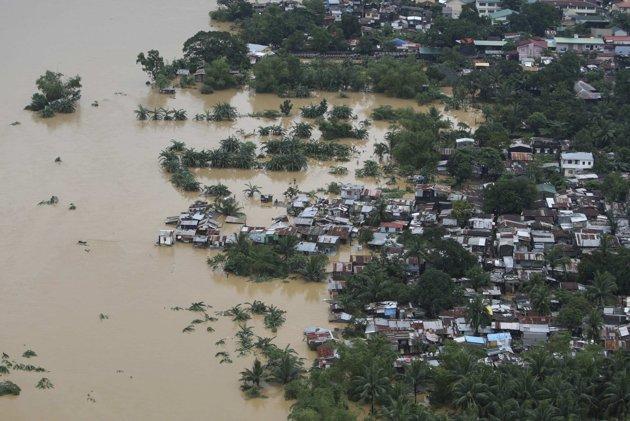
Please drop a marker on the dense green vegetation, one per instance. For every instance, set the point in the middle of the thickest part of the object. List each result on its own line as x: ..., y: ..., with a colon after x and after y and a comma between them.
x: 264, y: 261
x: 55, y: 95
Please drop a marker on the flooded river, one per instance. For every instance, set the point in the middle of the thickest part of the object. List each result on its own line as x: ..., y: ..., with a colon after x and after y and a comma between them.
x: 137, y: 364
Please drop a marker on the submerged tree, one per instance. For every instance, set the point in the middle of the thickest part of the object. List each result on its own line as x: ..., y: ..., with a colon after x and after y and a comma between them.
x: 252, y: 379
x: 55, y: 95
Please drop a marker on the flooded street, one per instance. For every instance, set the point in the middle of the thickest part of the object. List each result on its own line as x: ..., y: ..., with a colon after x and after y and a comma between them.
x: 137, y: 364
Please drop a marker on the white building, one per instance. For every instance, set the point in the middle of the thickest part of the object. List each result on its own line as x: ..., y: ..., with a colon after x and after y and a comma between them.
x: 486, y: 7
x: 573, y: 162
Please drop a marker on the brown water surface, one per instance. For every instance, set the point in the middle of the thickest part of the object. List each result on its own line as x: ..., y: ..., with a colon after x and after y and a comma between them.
x: 137, y: 364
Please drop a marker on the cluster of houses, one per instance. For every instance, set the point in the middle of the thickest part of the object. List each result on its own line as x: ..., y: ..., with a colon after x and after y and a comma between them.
x: 604, y: 43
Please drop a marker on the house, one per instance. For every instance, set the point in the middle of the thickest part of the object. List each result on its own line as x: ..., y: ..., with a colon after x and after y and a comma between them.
x: 351, y: 191
x: 586, y: 91
x: 574, y: 162
x: 545, y: 145
x: 431, y: 192
x: 618, y: 44
x: 453, y: 8
x: 464, y: 142
x: 486, y: 7
x: 327, y: 243
x: 305, y: 247
x: 622, y: 6
x: 257, y: 51
x: 200, y: 75
x: 501, y: 16
x: 572, y: 8
x: 490, y: 47
x: 578, y: 45
x: 532, y: 48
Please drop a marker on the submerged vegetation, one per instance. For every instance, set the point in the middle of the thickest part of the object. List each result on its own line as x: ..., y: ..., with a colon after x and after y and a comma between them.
x: 265, y: 261
x: 55, y: 95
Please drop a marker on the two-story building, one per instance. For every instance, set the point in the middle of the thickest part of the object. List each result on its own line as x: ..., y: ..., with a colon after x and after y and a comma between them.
x: 574, y: 162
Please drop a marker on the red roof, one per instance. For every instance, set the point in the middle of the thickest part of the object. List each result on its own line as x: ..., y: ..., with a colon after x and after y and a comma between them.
x: 536, y: 41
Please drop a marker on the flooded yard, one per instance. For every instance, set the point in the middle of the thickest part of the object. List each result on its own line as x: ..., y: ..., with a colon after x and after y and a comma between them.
x: 137, y: 364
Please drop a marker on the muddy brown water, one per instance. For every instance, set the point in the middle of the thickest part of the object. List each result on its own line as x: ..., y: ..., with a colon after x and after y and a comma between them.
x: 137, y: 364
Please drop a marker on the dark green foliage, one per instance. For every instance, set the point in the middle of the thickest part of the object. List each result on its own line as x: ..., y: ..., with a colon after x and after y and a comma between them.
x: 339, y: 129
x: 486, y: 162
x: 436, y: 291
x: 9, y: 388
x: 207, y: 46
x: 55, y: 94
x: 509, y: 195
x: 232, y: 10
x: 315, y: 110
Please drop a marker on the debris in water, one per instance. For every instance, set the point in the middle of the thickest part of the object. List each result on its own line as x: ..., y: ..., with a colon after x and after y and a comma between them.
x: 44, y: 383
x: 82, y: 243
x: 72, y: 206
x: 103, y: 316
x: 52, y: 201
x: 15, y: 123
x: 58, y: 160
x: 95, y: 104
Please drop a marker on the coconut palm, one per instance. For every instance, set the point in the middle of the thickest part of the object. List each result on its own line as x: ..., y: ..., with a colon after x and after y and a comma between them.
x: 251, y: 189
x: 593, y: 324
x: 274, y: 318
x: 180, y: 115
x: 302, y: 130
x: 315, y: 267
x: 142, y: 113
x: 228, y: 206
x: 284, y: 365
x: 167, y: 114
x: 156, y: 114
x: 372, y: 384
x: 218, y: 190
x: 286, y: 106
x: 252, y: 379
x: 616, y: 396
x: 257, y: 307
x: 286, y: 246
x: 476, y: 314
x: 471, y: 391
x: 417, y: 374
x: 380, y: 150
x: 602, y: 289
x: 223, y: 111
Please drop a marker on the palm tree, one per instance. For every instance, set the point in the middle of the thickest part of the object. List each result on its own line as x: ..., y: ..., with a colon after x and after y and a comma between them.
x: 166, y: 114
x: 141, y: 113
x: 540, y: 299
x: 251, y: 379
x: 286, y: 106
x: 417, y: 375
x: 223, y: 111
x: 398, y: 409
x: 471, y: 391
x: 476, y: 314
x: 315, y: 267
x: 218, y: 190
x: 228, y: 207
x: 286, y: 246
x: 380, y: 149
x: 372, y: 384
x: 274, y: 318
x: 180, y: 115
x: 593, y: 324
x: 251, y: 189
x: 540, y: 362
x: 602, y: 289
x: 284, y: 365
x: 616, y: 396
x: 156, y: 114
x: 302, y: 130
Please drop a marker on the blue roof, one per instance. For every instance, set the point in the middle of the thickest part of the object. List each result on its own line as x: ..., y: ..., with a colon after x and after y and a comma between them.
x: 501, y: 336
x: 475, y: 340
x: 398, y: 42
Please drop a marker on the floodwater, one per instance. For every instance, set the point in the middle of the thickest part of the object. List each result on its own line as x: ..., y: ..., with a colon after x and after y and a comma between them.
x: 137, y: 364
